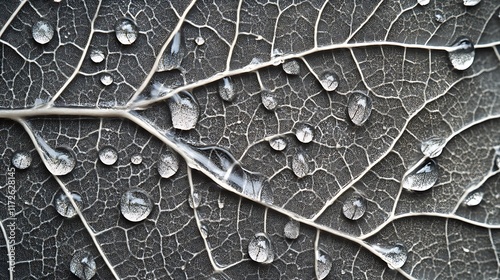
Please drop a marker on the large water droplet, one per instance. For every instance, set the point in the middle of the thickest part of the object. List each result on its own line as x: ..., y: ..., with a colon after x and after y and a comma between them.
x: 194, y: 200
x: 168, y: 164
x: 423, y: 177
x: 136, y: 159
x: 462, y: 53
x: 423, y: 2
x: 260, y: 248
x: 300, y: 167
x: 268, y: 100
x: 173, y: 55
x: 473, y: 199
x: 394, y: 255
x: 83, y: 265
x: 226, y: 89
x: 324, y: 264
x: 292, y: 229
x: 59, y: 161
x: 42, y: 32
x: 304, y: 133
x: 184, y: 110
x: 277, y: 143
x: 329, y: 81
x: 359, y: 107
x: 97, y: 56
x: 126, y: 31
x: 354, y: 207
x: 106, y: 79
x: 291, y: 67
x: 471, y: 2
x: 136, y: 205
x: 433, y: 146
x: 108, y: 155
x: 63, y: 205
x: 21, y: 159
x: 199, y: 41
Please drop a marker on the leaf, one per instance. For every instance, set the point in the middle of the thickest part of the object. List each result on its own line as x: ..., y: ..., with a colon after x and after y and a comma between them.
x: 245, y: 74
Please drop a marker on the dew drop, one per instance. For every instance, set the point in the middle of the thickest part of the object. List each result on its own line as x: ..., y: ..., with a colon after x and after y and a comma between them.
x: 59, y: 161
x: 184, y: 110
x: 136, y: 205
x: 304, y: 133
x: 108, y: 155
x: 83, y: 265
x: 439, y: 18
x: 324, y: 264
x: 394, y: 255
x: 359, y: 107
x: 173, y: 55
x: 21, y: 160
x: 136, y: 159
x: 354, y: 207
x: 473, y: 199
x: 106, y: 79
x: 97, y: 56
x: 199, y: 41
x: 433, y: 146
x: 168, y: 165
x: 277, y: 143
x: 63, y: 204
x: 126, y: 31
x: 462, y: 53
x: 226, y: 89
x: 42, y: 32
x: 292, y: 229
x: 266, y: 193
x: 194, y: 200
x: 423, y: 2
x: 220, y: 204
x: 471, y: 3
x: 422, y: 178
x: 300, y: 167
x: 291, y: 67
x: 329, y: 81
x: 268, y: 100
x: 260, y: 248
x: 204, y: 231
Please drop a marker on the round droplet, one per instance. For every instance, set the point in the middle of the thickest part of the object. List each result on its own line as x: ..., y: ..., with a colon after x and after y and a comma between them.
x: 126, y: 31
x: 204, y: 231
x: 60, y: 161
x: 433, y: 146
x: 300, y: 167
x: 462, y: 53
x: 136, y: 159
x: 194, y: 200
x: 471, y: 3
x: 359, y: 107
x: 423, y: 2
x: 324, y: 264
x: 136, y: 205
x: 292, y: 229
x: 277, y: 143
x: 354, y: 207
x: 21, y: 160
x: 106, y: 79
x: 97, y: 56
x: 42, y: 32
x: 394, y: 255
x: 473, y: 199
x: 304, y: 133
x: 168, y: 165
x: 423, y: 177
x: 291, y: 67
x: 64, y: 206
x: 226, y: 89
x: 329, y: 81
x: 260, y: 248
x: 199, y: 41
x: 439, y: 18
x: 184, y: 110
x: 108, y: 155
x: 268, y: 100
x: 83, y: 265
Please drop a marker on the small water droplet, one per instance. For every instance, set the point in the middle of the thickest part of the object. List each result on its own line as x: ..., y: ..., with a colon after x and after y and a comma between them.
x: 126, y: 31
x: 83, y: 265
x: 291, y: 67
x: 354, y: 207
x: 184, y: 110
x: 97, y: 56
x: 226, y: 89
x: 359, y: 107
x: 59, y: 161
x: 292, y: 229
x: 21, y: 160
x: 471, y: 3
x: 278, y: 143
x: 439, y: 18
x: 220, y: 204
x: 422, y: 178
x: 268, y: 100
x: 300, y: 167
x: 136, y: 205
x: 173, y: 55
x: 136, y: 159
x: 106, y: 79
x: 324, y: 264
x: 304, y: 133
x: 433, y: 146
x: 204, y: 231
x: 63, y: 204
x: 394, y: 255
x: 194, y: 200
x: 108, y: 155
x: 462, y: 53
x: 423, y: 2
x: 266, y: 192
x: 42, y: 32
x: 466, y: 250
x: 199, y: 41
x: 329, y: 81
x: 168, y: 164
x: 260, y: 248
x: 473, y: 199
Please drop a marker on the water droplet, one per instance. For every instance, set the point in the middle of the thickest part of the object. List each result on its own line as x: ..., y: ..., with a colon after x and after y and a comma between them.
x: 173, y: 55
x: 354, y: 207
x: 59, y: 161
x: 277, y: 143
x: 220, y: 204
x: 266, y: 192
x: 300, y: 167
x: 394, y: 255
x: 199, y: 41
x: 422, y: 178
x: 423, y: 2
x: 291, y: 67
x: 226, y: 89
x: 433, y: 146
x: 194, y: 200
x: 136, y: 205
x: 42, y: 32
x: 329, y: 81
x: 260, y: 248
x: 168, y: 164
x: 204, y: 231
x: 126, y: 31
x: 136, y: 159
x: 184, y: 110
x: 108, y: 155
x: 63, y: 204
x: 106, y: 79
x: 471, y: 3
x: 439, y: 18
x: 324, y: 264
x: 473, y: 199
x: 268, y: 100
x: 97, y: 56
x: 359, y: 107
x: 304, y: 133
x: 21, y: 160
x: 292, y: 229
x: 83, y: 265
x: 462, y: 53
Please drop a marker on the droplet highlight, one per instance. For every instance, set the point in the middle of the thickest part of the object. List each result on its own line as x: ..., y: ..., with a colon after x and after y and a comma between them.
x: 136, y: 205
x: 83, y: 265
x: 395, y: 255
x: 471, y: 3
x: 268, y: 100
x: 108, y: 155
x: 260, y: 248
x: 184, y: 110
x: 329, y: 81
x: 422, y: 178
x: 277, y: 143
x: 42, y: 32
x: 423, y: 2
x: 324, y: 264
x: 354, y: 207
x: 304, y: 133
x: 106, y: 79
x: 433, y: 146
x: 359, y: 107
x: 292, y: 229
x: 300, y: 166
x: 473, y: 199
x: 126, y: 31
x: 168, y: 164
x: 21, y: 160
x: 97, y: 56
x: 291, y: 67
x: 462, y: 53
x: 226, y: 89
x: 63, y: 204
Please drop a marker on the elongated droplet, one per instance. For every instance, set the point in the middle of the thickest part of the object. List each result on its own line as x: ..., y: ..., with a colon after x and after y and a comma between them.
x: 300, y: 167
x: 304, y: 133
x: 136, y: 205
x: 268, y: 100
x: 136, y: 159
x: 354, y: 207
x: 173, y: 55
x: 462, y: 53
x: 266, y: 192
x: 204, y: 231
x: 394, y: 255
x: 471, y: 3
x: 433, y: 146
x: 83, y: 265
x: 260, y: 248
x: 59, y: 161
x: 168, y: 164
x: 108, y: 155
x: 42, y: 32
x: 194, y: 200
x: 439, y: 17
x: 473, y: 199
x: 126, y: 31
x: 106, y: 79
x: 97, y: 56
x: 359, y: 107
x: 291, y: 67
x: 292, y: 229
x: 64, y: 206
x: 184, y: 110
x: 226, y: 89
x: 199, y: 41
x: 324, y: 264
x: 21, y: 160
x: 329, y: 81
x: 423, y: 2
x: 277, y: 143
x: 422, y: 178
